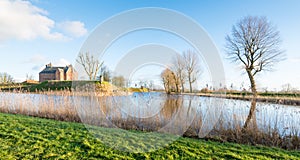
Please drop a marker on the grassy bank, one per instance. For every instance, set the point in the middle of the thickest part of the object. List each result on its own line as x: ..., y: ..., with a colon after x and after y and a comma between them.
x: 49, y: 85
x: 175, y: 113
x: 281, y: 98
x: 104, y: 87
x: 23, y: 137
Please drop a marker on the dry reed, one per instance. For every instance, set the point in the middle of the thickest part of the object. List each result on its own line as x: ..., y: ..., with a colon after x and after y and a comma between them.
x: 176, y: 116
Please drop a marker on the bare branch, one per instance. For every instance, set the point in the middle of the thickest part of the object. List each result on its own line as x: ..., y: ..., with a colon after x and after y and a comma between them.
x: 178, y: 67
x: 254, y: 43
x: 90, y: 64
x: 192, y: 67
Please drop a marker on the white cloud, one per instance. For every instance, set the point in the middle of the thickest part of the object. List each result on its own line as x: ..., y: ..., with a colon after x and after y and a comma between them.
x: 22, y: 20
x: 61, y: 62
x: 57, y: 63
x: 38, y: 58
x: 39, y: 61
x: 38, y: 67
x: 73, y: 28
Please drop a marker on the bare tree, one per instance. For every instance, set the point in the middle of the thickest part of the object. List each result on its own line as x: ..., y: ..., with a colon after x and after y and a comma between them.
x: 151, y: 85
x: 168, y: 80
x: 255, y: 44
x: 192, y: 67
x: 287, y: 88
x: 105, y: 73
x: 29, y: 77
x: 176, y: 82
x: 90, y: 64
x: 118, y: 81
x: 178, y: 67
x: 142, y: 83
x: 6, y: 78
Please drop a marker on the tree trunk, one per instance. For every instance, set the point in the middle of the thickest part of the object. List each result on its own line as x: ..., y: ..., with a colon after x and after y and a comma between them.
x: 177, y: 87
x: 191, y: 88
x: 251, y: 116
x: 169, y: 88
x: 182, y: 87
x: 166, y: 87
x: 190, y: 83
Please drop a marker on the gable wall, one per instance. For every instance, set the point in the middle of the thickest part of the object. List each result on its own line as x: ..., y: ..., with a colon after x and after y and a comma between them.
x: 59, y: 75
x: 46, y: 76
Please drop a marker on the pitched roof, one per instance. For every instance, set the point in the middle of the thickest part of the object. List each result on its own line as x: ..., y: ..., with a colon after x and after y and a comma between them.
x: 50, y: 69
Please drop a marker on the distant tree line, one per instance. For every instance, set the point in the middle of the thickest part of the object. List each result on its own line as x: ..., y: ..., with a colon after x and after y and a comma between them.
x: 5, y: 78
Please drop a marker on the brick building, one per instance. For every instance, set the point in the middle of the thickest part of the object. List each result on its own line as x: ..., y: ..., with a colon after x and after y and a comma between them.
x: 57, y: 73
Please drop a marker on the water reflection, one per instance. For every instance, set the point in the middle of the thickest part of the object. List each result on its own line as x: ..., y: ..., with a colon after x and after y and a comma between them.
x: 177, y: 114
x: 157, y: 112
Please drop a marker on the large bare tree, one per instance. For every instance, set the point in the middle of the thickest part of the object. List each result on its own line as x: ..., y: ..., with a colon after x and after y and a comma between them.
x: 90, y: 64
x: 192, y: 67
x: 255, y: 44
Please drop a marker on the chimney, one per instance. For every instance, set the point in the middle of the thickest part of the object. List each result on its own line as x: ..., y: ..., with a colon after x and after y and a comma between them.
x: 48, y: 65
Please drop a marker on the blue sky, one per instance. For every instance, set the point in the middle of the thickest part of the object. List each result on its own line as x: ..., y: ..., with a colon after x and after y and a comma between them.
x: 40, y: 31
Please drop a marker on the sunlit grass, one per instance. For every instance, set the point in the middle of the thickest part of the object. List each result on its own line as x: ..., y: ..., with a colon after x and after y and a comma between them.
x: 23, y: 137
x: 89, y: 108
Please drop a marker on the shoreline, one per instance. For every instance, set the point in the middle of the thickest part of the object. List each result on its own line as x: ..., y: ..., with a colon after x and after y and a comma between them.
x: 274, y: 100
x: 293, y: 101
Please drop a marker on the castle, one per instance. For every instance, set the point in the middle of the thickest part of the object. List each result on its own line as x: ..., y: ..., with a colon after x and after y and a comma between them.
x: 57, y: 73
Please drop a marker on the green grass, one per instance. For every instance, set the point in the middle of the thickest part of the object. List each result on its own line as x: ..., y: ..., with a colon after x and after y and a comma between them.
x: 23, y: 137
x: 51, y: 85
x: 46, y: 85
x: 138, y: 90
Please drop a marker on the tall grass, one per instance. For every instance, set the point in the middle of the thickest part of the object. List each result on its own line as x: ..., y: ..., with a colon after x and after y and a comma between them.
x: 179, y: 115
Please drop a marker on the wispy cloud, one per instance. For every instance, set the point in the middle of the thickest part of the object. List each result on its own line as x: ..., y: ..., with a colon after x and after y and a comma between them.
x: 61, y: 62
x: 38, y: 58
x: 73, y: 28
x: 37, y: 67
x: 39, y: 61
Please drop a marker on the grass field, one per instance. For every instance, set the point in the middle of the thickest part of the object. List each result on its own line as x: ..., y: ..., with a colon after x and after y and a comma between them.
x: 23, y: 137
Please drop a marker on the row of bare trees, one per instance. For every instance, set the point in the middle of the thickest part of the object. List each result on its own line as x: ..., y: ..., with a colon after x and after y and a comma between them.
x: 185, y: 69
x: 254, y: 43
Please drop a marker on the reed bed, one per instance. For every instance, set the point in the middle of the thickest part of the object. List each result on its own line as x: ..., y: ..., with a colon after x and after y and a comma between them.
x: 179, y: 115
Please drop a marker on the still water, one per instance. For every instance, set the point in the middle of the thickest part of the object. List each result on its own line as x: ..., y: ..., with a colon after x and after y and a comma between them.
x: 161, y: 112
